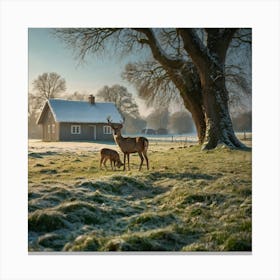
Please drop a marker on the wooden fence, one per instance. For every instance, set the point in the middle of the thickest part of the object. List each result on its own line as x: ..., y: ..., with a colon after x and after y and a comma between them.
x: 190, y: 138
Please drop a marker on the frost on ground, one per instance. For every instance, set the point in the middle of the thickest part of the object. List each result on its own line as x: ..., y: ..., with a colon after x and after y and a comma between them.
x: 189, y: 200
x: 37, y: 146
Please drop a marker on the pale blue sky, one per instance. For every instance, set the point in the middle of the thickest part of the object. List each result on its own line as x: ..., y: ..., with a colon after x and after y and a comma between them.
x: 48, y: 54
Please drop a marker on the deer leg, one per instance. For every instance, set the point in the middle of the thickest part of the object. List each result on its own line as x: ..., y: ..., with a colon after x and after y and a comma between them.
x: 111, y: 162
x: 146, y: 158
x: 101, y: 161
x: 142, y: 159
x: 124, y: 157
x: 104, y: 163
x: 128, y: 161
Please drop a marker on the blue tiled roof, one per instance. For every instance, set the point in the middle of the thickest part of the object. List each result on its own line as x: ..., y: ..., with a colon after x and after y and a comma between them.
x: 83, y: 111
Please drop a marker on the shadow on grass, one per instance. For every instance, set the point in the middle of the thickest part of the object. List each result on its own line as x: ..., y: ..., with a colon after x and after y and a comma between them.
x: 152, y: 241
x: 246, y: 149
x: 42, y: 154
x: 123, y: 186
x: 192, y: 176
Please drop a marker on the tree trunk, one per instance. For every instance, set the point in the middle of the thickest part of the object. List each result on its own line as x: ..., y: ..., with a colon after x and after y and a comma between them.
x: 200, y: 124
x: 198, y: 116
x: 209, y: 60
x: 219, y: 129
x: 187, y: 82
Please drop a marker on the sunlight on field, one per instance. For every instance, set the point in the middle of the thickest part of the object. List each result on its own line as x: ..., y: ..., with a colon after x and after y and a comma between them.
x: 189, y: 200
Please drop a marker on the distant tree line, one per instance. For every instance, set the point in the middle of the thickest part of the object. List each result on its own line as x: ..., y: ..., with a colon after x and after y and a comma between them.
x: 52, y: 85
x: 45, y: 86
x: 242, y: 121
x: 161, y: 121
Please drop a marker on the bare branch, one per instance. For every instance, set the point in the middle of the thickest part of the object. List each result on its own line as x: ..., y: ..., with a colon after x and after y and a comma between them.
x: 121, y: 97
x: 218, y: 40
x: 87, y: 40
x: 48, y: 85
x: 242, y: 37
x: 151, y: 81
x: 194, y: 46
x: 158, y: 52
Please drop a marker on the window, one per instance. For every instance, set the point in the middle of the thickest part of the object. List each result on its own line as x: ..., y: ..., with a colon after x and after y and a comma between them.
x: 49, y: 128
x: 75, y: 129
x: 53, y: 128
x: 107, y: 129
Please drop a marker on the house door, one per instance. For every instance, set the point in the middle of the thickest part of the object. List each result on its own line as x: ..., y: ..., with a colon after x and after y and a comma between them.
x: 94, y: 132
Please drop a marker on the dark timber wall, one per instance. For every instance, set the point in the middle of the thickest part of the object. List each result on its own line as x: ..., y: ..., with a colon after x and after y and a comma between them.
x: 89, y: 132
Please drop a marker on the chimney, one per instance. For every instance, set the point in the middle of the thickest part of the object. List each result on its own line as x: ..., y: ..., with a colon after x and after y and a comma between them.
x: 91, y: 99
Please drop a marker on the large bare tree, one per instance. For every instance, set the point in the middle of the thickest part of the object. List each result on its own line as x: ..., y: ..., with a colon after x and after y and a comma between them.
x: 48, y: 85
x: 121, y: 97
x: 193, y: 59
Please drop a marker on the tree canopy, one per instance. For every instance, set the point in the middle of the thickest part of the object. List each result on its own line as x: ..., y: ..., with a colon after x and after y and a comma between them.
x: 48, y: 85
x: 191, y: 61
x: 126, y: 104
x: 121, y: 97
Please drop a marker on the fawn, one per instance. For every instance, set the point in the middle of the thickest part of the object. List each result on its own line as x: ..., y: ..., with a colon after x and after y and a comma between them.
x: 113, y: 156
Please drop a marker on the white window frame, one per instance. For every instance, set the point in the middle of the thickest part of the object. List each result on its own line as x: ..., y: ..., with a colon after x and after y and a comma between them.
x: 49, y: 128
x: 107, y: 129
x: 53, y: 128
x: 75, y: 129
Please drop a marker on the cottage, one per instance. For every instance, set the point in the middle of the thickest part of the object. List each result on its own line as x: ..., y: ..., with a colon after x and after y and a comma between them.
x: 68, y: 120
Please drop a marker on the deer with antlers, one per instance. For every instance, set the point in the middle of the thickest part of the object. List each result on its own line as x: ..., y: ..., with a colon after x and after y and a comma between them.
x: 129, y: 145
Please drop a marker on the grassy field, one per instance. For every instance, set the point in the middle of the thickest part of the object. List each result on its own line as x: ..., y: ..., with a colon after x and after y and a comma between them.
x: 188, y: 201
